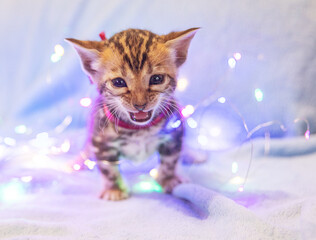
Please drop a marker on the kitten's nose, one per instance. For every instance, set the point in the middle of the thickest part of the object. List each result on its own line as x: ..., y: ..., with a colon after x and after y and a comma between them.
x: 140, y: 107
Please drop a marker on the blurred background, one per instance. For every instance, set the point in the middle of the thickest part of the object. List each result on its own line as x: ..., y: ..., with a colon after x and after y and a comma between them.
x: 251, y: 60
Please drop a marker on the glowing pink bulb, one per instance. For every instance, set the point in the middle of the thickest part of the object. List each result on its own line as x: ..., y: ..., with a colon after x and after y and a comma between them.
x: 241, y: 189
x: 187, y: 111
x: 307, y: 134
x: 85, y: 102
x: 237, y: 56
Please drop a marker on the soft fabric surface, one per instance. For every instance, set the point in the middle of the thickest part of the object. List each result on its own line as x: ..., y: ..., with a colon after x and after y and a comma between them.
x: 279, y: 201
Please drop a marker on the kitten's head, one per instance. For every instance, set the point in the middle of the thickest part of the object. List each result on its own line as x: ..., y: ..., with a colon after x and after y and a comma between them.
x: 135, y: 70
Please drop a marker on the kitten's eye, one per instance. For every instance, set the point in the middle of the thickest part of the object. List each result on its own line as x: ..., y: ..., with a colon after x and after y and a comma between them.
x: 119, y: 82
x: 156, y: 79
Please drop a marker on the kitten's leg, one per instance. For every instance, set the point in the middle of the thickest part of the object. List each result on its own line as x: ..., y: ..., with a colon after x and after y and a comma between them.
x: 114, y: 188
x: 169, y: 155
x: 107, y: 159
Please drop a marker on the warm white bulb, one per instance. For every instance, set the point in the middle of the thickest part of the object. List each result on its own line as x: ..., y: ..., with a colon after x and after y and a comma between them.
x: 182, y: 84
x: 59, y: 50
x: 237, y: 56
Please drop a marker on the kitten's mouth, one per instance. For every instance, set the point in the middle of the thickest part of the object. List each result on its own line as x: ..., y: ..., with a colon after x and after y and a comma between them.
x: 141, y: 116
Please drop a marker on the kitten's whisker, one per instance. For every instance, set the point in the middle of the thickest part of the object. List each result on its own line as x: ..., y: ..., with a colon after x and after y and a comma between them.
x: 166, y: 110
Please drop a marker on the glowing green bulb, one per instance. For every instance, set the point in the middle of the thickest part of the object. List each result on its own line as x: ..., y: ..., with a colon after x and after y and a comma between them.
x: 146, y: 187
x: 258, y: 95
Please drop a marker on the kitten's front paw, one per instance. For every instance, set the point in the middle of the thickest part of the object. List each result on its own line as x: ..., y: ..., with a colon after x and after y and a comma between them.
x: 114, y: 194
x: 169, y: 183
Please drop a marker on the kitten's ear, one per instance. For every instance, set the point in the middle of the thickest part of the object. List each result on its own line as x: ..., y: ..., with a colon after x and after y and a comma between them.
x: 89, y: 53
x: 180, y: 42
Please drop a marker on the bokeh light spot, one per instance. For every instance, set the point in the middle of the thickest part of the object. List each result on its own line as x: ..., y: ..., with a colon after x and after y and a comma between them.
x: 232, y: 63
x: 146, y: 187
x: 65, y: 146
x: 76, y: 167
x: 85, y: 102
x: 55, y: 57
x: 237, y: 56
x: 221, y: 100
x: 90, y: 164
x: 154, y: 173
x: 187, y: 111
x: 21, y: 129
x: 258, y: 94
x: 182, y: 84
x: 192, y: 123
x: 59, y: 50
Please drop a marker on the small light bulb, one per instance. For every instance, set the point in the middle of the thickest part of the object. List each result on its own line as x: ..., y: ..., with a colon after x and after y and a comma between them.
x: 55, y: 57
x: 187, y: 111
x: 85, y: 102
x: 176, y: 124
x: 307, y: 134
x: 258, y: 94
x: 192, y: 123
x: 182, y: 84
x: 236, y: 180
x: 77, y: 167
x: 237, y: 56
x: 26, y: 179
x: 154, y: 173
x: 65, y: 146
x: 90, y: 164
x: 232, y: 63
x: 59, y: 50
x: 221, y: 100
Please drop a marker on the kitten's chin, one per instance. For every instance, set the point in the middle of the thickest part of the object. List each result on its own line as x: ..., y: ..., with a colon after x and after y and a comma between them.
x: 141, y: 118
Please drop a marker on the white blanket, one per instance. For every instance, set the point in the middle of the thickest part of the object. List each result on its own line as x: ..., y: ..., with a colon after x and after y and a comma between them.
x: 278, y: 202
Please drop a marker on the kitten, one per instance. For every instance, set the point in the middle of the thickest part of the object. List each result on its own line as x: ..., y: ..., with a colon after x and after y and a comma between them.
x: 136, y: 113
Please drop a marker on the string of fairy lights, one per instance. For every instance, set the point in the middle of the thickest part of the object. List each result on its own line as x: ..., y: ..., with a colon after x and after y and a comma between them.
x: 43, y: 149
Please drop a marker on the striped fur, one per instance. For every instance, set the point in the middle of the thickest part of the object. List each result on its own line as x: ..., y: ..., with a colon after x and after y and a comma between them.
x: 134, y: 56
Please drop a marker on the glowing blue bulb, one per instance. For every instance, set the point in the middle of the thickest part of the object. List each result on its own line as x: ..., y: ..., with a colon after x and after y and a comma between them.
x: 192, y: 123
x: 176, y: 124
x: 258, y: 94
